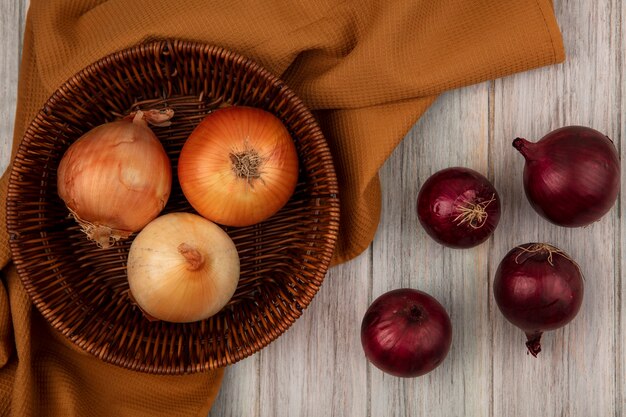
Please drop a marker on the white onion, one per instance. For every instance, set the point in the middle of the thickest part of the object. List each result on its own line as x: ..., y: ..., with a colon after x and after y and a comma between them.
x: 182, y: 268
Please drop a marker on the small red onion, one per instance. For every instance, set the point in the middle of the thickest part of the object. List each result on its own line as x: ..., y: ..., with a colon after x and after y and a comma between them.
x: 571, y: 176
x: 406, y: 333
x: 538, y: 287
x: 458, y: 207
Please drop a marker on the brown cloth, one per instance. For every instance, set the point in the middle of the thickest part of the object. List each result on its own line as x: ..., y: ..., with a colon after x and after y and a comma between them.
x: 369, y: 69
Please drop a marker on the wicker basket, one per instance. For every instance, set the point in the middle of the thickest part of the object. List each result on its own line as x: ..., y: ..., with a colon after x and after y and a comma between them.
x: 82, y: 290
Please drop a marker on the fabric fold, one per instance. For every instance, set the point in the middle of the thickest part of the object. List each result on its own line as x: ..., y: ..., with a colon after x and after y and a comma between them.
x: 368, y: 69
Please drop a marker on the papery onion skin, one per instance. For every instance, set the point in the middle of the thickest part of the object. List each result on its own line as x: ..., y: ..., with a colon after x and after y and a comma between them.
x: 182, y: 268
x: 115, y: 179
x: 571, y: 175
x: 406, y: 333
x: 458, y: 207
x: 239, y: 166
x: 538, y: 287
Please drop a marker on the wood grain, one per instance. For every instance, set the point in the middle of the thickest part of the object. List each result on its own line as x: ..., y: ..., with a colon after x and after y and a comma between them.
x: 619, y: 20
x: 453, y: 132
x: 330, y: 365
x: 326, y: 374
x: 239, y: 394
x: 318, y: 369
x: 574, y: 375
x: 12, y: 18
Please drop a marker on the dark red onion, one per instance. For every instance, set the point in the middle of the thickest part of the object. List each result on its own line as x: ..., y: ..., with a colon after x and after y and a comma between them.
x: 538, y: 288
x: 458, y: 207
x: 572, y: 175
x: 406, y: 333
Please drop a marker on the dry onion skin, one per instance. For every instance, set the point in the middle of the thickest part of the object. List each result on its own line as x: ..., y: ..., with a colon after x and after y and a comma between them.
x: 239, y: 166
x: 182, y: 268
x: 117, y: 177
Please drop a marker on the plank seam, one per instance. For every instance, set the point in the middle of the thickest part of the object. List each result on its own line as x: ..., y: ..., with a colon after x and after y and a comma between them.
x: 491, y: 98
x: 619, y: 383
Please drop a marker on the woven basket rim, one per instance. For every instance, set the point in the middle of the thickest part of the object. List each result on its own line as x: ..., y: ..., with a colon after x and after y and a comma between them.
x: 153, y: 48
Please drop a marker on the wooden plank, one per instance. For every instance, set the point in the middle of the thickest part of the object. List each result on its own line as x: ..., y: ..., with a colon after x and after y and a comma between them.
x: 12, y: 18
x: 619, y: 20
x: 575, y: 373
x: 317, y: 367
x: 239, y: 394
x: 453, y: 132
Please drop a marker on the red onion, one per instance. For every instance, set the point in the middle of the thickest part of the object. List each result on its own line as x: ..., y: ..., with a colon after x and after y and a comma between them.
x: 458, y: 207
x: 406, y: 333
x: 572, y: 175
x: 538, y: 288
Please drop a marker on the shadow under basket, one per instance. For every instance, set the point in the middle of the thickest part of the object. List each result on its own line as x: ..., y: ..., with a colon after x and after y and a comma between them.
x: 82, y: 290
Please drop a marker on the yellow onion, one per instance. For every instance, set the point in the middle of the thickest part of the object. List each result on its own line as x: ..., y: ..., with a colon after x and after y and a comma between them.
x: 182, y: 268
x: 239, y: 166
x: 116, y: 178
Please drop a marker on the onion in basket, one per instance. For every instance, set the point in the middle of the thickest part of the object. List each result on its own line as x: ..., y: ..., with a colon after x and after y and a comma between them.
x: 182, y: 268
x: 116, y: 177
x: 239, y: 166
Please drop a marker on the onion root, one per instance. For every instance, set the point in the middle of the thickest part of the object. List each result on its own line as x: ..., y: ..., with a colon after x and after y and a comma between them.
x: 247, y: 164
x: 474, y: 214
x: 104, y: 236
x: 544, y: 247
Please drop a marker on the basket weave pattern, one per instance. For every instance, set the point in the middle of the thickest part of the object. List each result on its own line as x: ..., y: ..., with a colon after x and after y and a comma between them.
x: 82, y: 290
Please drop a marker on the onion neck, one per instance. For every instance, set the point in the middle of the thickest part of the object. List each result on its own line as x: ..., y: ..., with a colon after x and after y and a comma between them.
x: 160, y: 117
x: 195, y: 259
x: 533, y: 343
x: 139, y: 118
x: 526, y: 148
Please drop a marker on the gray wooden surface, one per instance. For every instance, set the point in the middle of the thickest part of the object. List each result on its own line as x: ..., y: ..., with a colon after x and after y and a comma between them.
x: 317, y: 368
